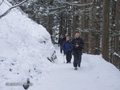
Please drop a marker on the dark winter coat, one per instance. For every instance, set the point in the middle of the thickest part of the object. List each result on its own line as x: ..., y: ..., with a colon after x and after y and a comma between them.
x: 61, y: 41
x: 64, y: 39
x: 67, y: 46
x: 80, y: 42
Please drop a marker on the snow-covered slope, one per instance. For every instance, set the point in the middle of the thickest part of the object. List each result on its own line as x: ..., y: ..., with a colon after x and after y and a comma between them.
x: 24, y: 48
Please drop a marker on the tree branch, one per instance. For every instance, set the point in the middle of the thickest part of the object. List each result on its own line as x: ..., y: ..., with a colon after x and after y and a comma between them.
x: 116, y: 54
x: 1, y: 2
x: 5, y: 13
x: 74, y: 4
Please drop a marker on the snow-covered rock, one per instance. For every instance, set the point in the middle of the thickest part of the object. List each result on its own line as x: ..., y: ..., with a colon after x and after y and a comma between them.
x: 24, y: 48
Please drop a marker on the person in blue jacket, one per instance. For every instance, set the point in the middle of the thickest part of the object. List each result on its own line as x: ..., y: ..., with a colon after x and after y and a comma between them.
x: 67, y: 49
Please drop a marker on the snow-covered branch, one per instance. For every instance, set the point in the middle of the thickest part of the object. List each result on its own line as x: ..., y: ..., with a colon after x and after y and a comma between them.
x: 1, y: 2
x: 5, y: 13
x: 74, y: 4
x: 58, y: 8
x: 116, y: 54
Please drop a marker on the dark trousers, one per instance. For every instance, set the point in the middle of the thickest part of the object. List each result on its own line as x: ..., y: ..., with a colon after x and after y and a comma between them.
x: 61, y: 48
x: 77, y: 58
x: 68, y: 57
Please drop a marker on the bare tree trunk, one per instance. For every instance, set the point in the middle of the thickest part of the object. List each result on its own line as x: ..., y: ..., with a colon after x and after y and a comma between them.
x: 117, y: 22
x: 83, y: 21
x: 105, y: 30
x: 97, y: 35
x: 84, y: 34
x: 73, y: 32
x: 91, y: 41
x: 69, y: 27
x: 112, y: 29
x: 60, y: 26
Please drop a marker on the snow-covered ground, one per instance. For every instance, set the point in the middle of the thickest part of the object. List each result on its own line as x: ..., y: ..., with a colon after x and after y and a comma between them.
x: 24, y: 49
x: 95, y: 74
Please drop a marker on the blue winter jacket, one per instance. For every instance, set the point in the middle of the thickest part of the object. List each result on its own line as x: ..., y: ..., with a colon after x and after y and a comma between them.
x: 67, y: 46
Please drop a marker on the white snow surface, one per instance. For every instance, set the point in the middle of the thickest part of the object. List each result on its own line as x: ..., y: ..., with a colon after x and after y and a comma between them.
x: 94, y: 74
x: 24, y: 48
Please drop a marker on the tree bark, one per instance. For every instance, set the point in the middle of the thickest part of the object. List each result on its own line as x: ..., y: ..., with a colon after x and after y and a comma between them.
x: 117, y: 22
x: 91, y: 41
x: 105, y: 30
x: 73, y: 32
x: 97, y: 35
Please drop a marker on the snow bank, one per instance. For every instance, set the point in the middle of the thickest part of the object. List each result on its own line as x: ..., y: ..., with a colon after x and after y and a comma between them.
x: 24, y: 48
x: 104, y: 75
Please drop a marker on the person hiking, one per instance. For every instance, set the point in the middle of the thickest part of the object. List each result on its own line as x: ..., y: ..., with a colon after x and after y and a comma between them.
x: 77, y: 44
x: 64, y: 40
x: 67, y: 49
x: 60, y: 42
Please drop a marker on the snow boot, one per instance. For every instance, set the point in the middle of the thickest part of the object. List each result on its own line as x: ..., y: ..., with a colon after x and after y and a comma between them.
x: 75, y: 68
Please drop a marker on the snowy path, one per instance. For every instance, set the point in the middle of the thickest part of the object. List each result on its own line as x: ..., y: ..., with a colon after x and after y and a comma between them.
x: 65, y: 78
x: 91, y: 76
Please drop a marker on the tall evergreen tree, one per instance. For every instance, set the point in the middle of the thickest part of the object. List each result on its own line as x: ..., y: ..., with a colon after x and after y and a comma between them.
x: 105, y: 30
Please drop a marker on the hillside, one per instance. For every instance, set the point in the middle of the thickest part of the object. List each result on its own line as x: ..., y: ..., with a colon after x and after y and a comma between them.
x: 24, y: 48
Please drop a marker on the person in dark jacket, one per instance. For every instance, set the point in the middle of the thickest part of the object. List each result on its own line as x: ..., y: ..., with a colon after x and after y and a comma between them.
x: 77, y: 44
x: 64, y: 38
x: 67, y: 49
x: 60, y: 42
